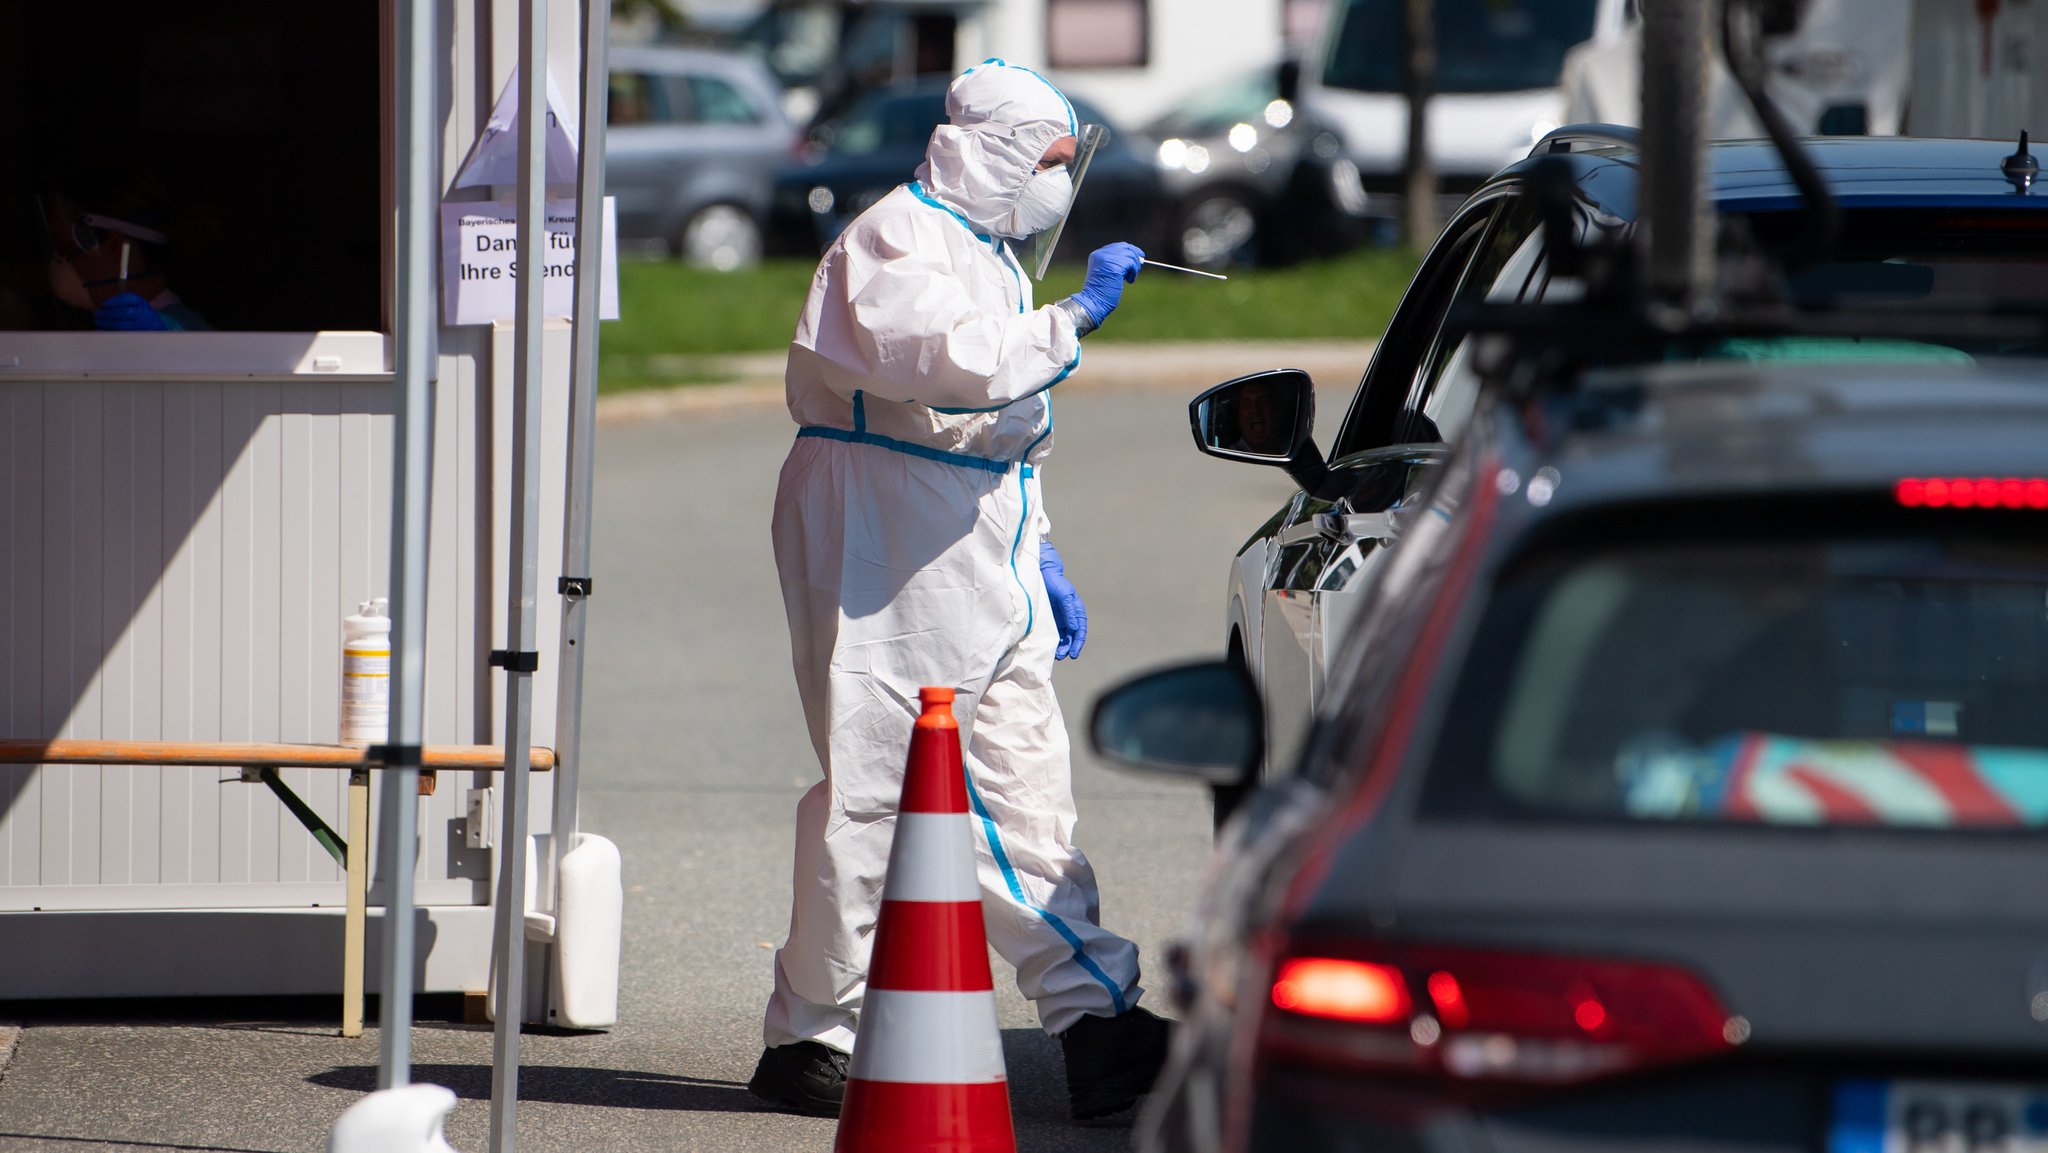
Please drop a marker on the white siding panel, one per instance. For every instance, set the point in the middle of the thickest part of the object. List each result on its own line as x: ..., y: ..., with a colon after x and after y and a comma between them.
x: 192, y: 634
x: 184, y: 554
x: 73, y: 575
x: 241, y: 418
x: 22, y: 609
x: 131, y: 614
x: 118, y: 563
x: 270, y: 565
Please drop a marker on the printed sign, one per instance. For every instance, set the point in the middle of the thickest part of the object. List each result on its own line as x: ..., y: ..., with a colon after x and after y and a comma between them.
x: 480, y: 262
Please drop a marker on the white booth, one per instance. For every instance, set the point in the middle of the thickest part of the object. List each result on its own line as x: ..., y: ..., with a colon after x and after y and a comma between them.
x: 187, y: 516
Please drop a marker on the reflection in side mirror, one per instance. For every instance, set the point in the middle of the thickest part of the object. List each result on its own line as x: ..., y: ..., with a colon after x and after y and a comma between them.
x: 1201, y: 722
x: 1265, y: 418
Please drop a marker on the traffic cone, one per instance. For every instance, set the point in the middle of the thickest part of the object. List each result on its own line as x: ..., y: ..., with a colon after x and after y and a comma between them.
x: 927, y: 1073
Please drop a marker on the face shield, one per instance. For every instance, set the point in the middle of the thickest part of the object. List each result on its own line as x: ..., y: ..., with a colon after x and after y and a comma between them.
x: 1034, y: 252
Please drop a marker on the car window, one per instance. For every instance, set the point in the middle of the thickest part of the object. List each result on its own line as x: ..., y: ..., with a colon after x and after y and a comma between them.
x: 1446, y: 391
x: 890, y: 125
x: 1371, y: 421
x: 716, y: 101
x: 638, y: 98
x: 1822, y: 678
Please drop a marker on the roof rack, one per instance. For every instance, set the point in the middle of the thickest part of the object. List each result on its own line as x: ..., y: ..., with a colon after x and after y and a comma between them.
x: 1595, y: 135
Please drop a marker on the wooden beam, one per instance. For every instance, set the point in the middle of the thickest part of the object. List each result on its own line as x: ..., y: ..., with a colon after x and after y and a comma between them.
x: 472, y: 758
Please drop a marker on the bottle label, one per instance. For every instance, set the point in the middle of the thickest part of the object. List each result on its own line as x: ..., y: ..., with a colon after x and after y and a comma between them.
x: 365, y: 694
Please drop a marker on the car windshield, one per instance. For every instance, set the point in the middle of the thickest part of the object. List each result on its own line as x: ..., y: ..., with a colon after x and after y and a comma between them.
x: 887, y: 124
x: 1867, y: 680
x: 1247, y: 100
x: 1481, y: 45
x: 903, y: 122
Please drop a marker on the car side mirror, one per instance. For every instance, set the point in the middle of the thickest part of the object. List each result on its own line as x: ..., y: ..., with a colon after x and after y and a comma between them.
x: 1264, y: 418
x: 1199, y: 722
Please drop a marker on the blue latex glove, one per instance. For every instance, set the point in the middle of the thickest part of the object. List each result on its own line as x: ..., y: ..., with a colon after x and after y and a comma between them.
x: 128, y: 312
x: 1109, y: 268
x: 1067, y: 610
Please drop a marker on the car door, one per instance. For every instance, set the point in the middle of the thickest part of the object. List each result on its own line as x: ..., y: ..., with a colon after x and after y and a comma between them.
x: 1330, y: 547
x: 644, y: 149
x: 678, y: 140
x: 1304, y: 562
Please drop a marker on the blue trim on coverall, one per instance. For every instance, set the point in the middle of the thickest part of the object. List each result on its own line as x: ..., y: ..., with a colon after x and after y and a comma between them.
x: 917, y: 190
x: 1072, y: 125
x: 988, y: 824
x: 957, y: 459
x: 989, y: 830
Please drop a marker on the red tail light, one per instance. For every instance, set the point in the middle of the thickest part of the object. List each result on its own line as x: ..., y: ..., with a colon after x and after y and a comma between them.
x: 1342, y: 990
x: 1971, y: 492
x: 1478, y: 1015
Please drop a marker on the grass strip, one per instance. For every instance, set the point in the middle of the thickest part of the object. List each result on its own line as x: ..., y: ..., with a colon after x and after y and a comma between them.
x: 676, y: 321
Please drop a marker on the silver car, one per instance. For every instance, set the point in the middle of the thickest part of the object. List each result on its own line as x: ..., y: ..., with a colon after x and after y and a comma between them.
x: 693, y: 142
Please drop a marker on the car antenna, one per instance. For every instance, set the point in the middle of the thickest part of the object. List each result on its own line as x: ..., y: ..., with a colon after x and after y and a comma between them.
x: 2020, y: 168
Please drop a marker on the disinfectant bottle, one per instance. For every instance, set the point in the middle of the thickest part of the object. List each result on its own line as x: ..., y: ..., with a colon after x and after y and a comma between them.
x: 366, y: 674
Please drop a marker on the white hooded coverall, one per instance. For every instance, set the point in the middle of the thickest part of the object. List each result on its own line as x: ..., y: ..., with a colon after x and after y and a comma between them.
x: 907, y: 527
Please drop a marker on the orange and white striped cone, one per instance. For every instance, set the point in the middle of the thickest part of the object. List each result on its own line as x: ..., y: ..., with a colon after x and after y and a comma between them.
x: 927, y: 1073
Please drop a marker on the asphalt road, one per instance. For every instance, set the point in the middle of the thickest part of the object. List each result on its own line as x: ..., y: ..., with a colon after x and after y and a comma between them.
x: 1144, y: 524
x: 695, y: 756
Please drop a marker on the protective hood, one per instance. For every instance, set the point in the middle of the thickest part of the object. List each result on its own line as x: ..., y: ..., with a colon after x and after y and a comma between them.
x: 1001, y: 119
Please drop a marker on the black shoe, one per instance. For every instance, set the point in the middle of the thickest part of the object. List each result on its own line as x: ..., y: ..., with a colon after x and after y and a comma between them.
x: 1112, y: 1061
x: 807, y: 1077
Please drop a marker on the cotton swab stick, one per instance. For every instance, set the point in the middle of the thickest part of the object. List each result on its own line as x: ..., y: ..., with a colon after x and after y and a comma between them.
x: 1193, y: 271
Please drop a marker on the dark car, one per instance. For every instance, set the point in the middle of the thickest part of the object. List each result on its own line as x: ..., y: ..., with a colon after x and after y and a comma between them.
x: 1256, y: 176
x: 855, y: 160
x: 1683, y: 787
x: 1923, y: 222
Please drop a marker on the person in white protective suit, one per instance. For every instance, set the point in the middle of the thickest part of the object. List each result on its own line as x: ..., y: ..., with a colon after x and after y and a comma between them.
x: 910, y: 537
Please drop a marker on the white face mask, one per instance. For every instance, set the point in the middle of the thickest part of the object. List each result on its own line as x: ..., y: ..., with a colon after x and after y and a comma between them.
x: 1045, y: 199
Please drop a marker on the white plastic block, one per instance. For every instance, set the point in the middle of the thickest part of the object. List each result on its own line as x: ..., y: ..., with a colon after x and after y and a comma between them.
x: 407, y: 1119
x: 590, y: 905
x: 572, y: 971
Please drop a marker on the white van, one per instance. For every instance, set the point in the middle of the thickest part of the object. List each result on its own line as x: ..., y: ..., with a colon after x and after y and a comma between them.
x: 1841, y: 73
x: 1496, y: 89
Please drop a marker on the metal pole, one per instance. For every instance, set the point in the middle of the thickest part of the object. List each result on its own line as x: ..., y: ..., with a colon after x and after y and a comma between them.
x: 576, y: 586
x: 418, y: 175
x: 1677, y: 37
x: 519, y: 657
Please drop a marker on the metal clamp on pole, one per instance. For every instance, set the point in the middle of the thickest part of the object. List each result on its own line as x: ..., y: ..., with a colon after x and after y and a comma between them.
x: 575, y: 586
x: 516, y: 661
x: 404, y: 757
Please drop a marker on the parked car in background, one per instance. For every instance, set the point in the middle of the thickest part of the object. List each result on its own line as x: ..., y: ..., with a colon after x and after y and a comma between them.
x: 1683, y: 788
x: 693, y: 139
x: 850, y: 162
x: 1923, y: 220
x: 1255, y: 175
